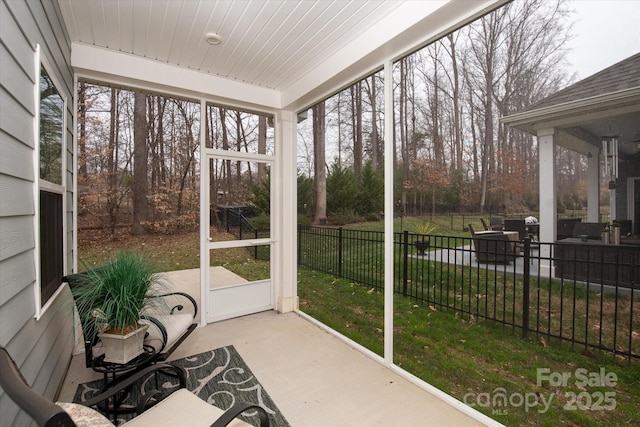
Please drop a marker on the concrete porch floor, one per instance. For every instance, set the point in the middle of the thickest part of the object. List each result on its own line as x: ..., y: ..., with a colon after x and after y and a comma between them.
x: 314, y: 378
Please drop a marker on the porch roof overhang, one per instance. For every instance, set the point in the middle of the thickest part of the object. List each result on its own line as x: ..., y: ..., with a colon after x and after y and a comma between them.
x: 577, y: 112
x: 583, y: 122
x: 607, y: 103
x: 354, y: 39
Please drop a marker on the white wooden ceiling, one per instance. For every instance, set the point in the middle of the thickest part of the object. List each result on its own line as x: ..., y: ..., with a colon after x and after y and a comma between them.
x: 264, y: 43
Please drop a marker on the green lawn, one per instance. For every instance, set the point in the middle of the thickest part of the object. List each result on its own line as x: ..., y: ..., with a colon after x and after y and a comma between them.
x: 477, y: 361
x: 473, y: 360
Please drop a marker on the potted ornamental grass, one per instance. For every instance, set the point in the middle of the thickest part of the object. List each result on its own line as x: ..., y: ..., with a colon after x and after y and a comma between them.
x: 113, y: 298
x: 423, y: 229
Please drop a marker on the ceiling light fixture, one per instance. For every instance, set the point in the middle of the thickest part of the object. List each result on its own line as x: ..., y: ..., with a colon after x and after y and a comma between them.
x: 213, y: 38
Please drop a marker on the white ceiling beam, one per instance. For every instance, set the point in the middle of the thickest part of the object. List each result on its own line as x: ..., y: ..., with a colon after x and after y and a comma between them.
x: 108, y: 65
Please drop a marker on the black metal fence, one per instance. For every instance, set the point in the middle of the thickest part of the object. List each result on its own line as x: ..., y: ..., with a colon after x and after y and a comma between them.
x: 588, y: 295
x: 237, y: 224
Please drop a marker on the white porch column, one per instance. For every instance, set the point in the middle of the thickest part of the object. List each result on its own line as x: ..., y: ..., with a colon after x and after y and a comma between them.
x: 285, y: 215
x: 388, y: 217
x: 593, y: 187
x: 548, y: 208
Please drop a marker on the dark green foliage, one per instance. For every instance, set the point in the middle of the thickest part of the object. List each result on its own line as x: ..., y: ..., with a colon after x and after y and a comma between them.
x: 342, y: 189
x: 262, y: 196
x: 343, y: 216
x: 370, y: 199
x: 305, y: 195
x: 260, y: 222
x: 304, y: 220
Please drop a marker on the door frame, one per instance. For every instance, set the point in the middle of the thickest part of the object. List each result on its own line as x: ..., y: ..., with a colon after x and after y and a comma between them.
x: 206, y: 245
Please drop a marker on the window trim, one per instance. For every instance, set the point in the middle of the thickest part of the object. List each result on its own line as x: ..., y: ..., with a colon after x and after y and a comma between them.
x: 42, y: 185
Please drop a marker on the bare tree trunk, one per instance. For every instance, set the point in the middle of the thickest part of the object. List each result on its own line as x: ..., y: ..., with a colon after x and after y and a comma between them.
x: 226, y: 173
x: 112, y: 163
x: 457, y: 127
x: 374, y: 124
x: 438, y: 146
x: 262, y: 147
x: 319, y: 165
x: 140, y: 174
x: 356, y: 99
x: 193, y: 146
x: 239, y: 140
x: 82, y: 133
x: 404, y: 144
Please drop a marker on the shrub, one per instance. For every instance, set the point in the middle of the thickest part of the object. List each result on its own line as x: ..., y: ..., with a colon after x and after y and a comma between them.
x: 260, y: 222
x: 343, y: 216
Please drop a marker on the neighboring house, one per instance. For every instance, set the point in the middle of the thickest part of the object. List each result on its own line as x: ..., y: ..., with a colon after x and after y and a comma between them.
x: 598, y: 111
x: 42, y: 57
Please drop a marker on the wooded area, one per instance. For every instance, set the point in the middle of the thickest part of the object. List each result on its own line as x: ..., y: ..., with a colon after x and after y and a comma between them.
x: 139, y: 165
x: 139, y: 153
x: 451, y: 153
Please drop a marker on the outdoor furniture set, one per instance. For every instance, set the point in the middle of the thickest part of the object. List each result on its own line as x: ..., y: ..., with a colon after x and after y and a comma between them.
x: 166, y: 330
x: 127, y: 289
x: 590, y: 255
x: 494, y: 246
x: 179, y: 408
x: 503, y: 239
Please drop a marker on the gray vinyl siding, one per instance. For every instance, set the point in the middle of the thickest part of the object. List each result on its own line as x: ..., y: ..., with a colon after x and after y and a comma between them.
x: 41, y: 348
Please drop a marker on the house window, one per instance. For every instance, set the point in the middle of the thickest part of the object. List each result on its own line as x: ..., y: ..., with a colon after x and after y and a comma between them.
x: 50, y: 244
x: 51, y: 125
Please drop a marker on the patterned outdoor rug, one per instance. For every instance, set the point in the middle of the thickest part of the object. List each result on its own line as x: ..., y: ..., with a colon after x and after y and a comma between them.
x: 219, y: 377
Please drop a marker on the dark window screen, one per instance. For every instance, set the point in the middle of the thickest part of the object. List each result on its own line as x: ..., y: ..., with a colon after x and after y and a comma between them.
x: 50, y: 244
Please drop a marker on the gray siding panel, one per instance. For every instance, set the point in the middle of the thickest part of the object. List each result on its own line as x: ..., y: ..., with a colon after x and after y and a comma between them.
x: 13, y: 194
x: 15, y: 119
x: 15, y: 82
x: 15, y: 42
x: 16, y: 236
x: 57, y: 42
x: 42, y: 348
x: 15, y: 272
x: 15, y: 315
x: 16, y: 159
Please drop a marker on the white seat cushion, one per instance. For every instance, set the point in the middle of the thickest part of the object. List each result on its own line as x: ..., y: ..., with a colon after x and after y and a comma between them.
x: 181, y: 408
x: 83, y: 416
x: 175, y: 324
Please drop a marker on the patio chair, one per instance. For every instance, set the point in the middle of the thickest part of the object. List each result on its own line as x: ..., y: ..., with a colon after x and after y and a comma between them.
x: 166, y: 331
x: 520, y: 226
x: 178, y: 408
x: 484, y: 224
x: 565, y: 227
x: 590, y: 229
x: 492, y: 247
x: 496, y: 224
x: 516, y: 225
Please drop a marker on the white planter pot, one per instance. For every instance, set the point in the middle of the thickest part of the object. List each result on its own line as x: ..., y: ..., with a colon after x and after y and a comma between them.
x: 123, y: 348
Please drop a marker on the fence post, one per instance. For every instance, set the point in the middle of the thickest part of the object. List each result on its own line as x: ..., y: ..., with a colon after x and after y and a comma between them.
x: 255, y: 248
x: 339, y: 251
x: 299, y: 261
x: 526, y: 282
x: 405, y: 263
